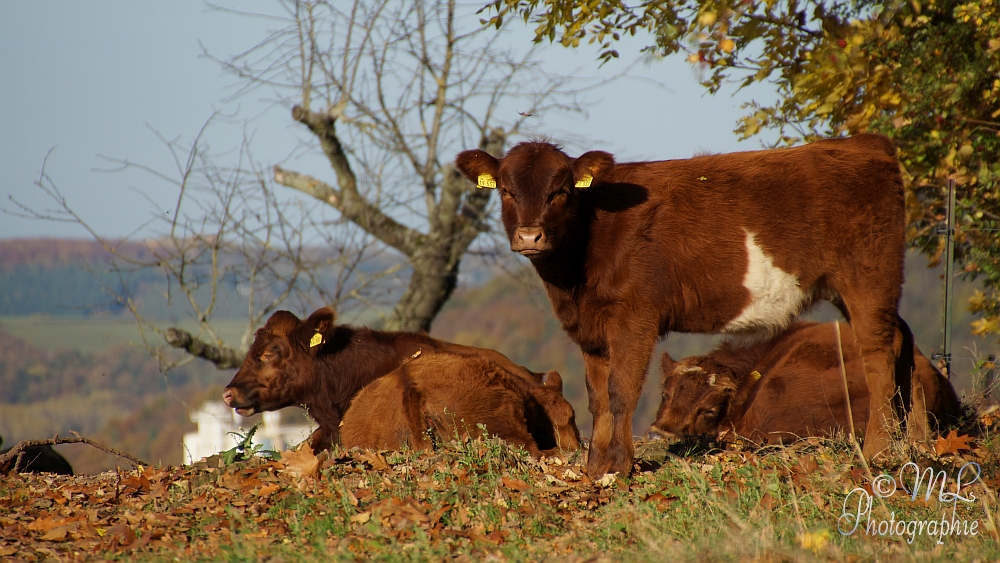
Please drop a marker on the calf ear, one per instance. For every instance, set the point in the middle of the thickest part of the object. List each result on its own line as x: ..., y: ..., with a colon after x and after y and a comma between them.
x: 667, y: 364
x: 590, y: 167
x: 282, y: 322
x: 553, y: 380
x: 317, y: 328
x: 479, y: 167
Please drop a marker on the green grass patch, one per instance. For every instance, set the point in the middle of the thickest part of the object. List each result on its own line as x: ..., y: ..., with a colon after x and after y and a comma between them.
x: 92, y: 336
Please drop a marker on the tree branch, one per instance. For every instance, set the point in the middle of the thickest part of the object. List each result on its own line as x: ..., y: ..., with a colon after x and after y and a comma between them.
x: 223, y: 357
x: 19, y: 448
x: 355, y: 209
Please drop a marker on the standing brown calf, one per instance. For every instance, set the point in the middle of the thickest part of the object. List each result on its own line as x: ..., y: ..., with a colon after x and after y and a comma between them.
x: 320, y: 366
x: 734, y: 243
x: 787, y: 388
x: 452, y: 394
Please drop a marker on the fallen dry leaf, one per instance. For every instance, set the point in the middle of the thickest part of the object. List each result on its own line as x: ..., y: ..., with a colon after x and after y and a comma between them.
x: 267, y: 490
x: 571, y: 475
x: 301, y: 462
x: 515, y: 484
x: 952, y: 443
x: 56, y: 534
x: 767, y: 501
x: 375, y: 459
x: 607, y: 480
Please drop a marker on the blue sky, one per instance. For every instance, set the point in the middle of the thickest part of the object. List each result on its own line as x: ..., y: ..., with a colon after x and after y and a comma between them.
x: 98, y: 78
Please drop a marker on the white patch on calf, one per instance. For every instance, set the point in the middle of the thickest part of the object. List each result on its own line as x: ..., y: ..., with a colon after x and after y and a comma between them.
x: 775, y: 296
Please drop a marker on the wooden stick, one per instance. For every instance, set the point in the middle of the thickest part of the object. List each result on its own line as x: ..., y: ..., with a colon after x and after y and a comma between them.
x: 18, y: 450
x: 850, y: 413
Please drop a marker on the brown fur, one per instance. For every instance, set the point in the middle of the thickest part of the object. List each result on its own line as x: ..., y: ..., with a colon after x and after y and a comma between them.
x: 800, y: 391
x: 652, y: 247
x: 450, y: 395
x: 281, y: 369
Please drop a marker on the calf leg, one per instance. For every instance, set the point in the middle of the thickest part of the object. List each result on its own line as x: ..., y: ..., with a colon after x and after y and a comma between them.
x: 914, y: 406
x: 611, y: 449
x: 880, y: 342
x: 598, y: 369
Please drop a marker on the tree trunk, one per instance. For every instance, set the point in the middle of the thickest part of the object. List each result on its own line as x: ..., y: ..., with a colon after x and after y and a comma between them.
x: 431, y: 284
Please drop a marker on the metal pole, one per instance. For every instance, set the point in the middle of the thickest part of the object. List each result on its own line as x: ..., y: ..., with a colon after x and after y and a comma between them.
x: 949, y: 275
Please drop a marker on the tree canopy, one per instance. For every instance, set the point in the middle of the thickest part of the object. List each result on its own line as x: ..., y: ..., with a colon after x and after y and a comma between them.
x: 926, y: 73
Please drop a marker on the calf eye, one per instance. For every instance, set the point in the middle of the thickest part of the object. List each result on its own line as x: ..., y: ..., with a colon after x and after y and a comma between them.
x: 267, y: 356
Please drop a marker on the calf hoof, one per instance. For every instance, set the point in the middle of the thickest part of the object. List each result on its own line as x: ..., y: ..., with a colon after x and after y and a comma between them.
x: 600, y: 463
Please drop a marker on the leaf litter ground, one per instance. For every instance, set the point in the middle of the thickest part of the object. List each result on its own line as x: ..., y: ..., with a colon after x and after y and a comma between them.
x: 479, y: 500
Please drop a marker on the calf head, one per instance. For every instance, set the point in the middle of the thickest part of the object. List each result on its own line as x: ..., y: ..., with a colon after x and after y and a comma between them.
x: 550, y: 395
x: 697, y: 396
x: 279, y: 369
x: 540, y: 187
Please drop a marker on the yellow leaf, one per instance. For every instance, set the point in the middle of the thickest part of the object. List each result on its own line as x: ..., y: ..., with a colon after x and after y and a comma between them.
x: 977, y: 301
x: 982, y: 327
x: 362, y: 517
x: 707, y: 19
x: 727, y: 45
x: 814, y: 541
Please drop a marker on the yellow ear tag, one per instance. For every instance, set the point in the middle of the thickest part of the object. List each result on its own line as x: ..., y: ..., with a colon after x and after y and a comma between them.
x: 756, y: 375
x: 585, y: 182
x: 486, y: 181
x: 316, y: 340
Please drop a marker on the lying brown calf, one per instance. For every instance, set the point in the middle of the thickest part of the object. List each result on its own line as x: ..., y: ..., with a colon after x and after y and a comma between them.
x: 320, y: 366
x: 786, y: 388
x: 451, y: 394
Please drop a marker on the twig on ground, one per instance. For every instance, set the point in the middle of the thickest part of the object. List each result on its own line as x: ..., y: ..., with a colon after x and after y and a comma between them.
x: 18, y: 450
x: 989, y: 496
x: 850, y: 416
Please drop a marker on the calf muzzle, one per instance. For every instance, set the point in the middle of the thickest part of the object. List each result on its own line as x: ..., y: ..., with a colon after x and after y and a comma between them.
x: 233, y: 399
x: 530, y: 241
x: 655, y: 433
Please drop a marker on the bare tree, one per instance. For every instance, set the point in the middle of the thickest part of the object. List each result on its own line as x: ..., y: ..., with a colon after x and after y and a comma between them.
x: 391, y: 90
x: 227, y: 248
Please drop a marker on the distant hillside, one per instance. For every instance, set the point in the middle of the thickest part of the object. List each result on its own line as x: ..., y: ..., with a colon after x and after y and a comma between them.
x: 118, y: 394
x: 77, y: 278
x: 47, y: 253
